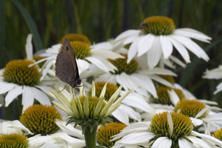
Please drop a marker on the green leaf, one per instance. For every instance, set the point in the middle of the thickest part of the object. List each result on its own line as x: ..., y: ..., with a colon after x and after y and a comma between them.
x: 30, y: 23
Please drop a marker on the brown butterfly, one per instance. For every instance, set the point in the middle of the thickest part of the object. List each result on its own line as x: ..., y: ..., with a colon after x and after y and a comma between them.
x: 66, y: 66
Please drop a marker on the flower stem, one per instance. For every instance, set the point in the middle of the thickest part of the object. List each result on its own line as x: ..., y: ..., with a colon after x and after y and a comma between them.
x: 90, y: 137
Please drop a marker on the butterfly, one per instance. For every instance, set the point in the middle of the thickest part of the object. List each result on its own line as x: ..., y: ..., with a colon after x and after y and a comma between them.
x: 66, y: 67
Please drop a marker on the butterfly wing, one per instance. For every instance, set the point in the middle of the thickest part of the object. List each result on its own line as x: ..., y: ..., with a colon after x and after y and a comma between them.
x: 66, y: 66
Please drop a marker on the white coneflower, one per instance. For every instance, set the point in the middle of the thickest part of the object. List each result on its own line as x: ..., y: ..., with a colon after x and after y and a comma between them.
x: 165, y: 130
x: 88, y: 111
x: 157, y: 37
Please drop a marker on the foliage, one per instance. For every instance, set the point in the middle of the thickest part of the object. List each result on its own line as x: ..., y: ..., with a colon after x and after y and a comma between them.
x: 100, y: 20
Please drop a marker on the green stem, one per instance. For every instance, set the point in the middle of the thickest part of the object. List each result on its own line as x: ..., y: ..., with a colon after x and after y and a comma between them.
x: 90, y: 137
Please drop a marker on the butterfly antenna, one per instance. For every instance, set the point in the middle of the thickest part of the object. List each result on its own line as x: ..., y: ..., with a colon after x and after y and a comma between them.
x: 62, y: 89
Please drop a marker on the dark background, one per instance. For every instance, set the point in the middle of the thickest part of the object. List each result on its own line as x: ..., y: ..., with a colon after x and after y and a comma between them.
x: 100, y: 20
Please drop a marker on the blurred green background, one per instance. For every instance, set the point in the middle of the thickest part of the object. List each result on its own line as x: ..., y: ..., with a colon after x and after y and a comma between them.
x: 100, y: 20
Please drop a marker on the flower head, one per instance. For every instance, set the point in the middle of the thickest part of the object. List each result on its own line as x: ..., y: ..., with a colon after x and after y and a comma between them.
x: 88, y: 110
x: 18, y: 72
x: 104, y: 134
x: 218, y: 134
x: 76, y: 37
x: 156, y: 38
x: 19, y: 78
x: 13, y: 141
x: 191, y: 108
x: 40, y: 119
x: 165, y: 130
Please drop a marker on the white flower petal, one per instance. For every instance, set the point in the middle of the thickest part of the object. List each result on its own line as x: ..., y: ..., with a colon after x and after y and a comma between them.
x: 66, y: 141
x: 106, y: 54
x: 154, y: 54
x: 126, y: 34
x: 170, y: 123
x: 208, y: 137
x: 173, y: 97
x: 69, y: 129
x: 137, y: 101
x: 137, y: 138
x: 46, y: 66
x: 166, y: 46
x: 12, y: 94
x: 181, y: 49
x: 191, y: 33
x: 134, y: 127
x: 98, y: 63
x: 4, y: 87
x: 161, y: 80
x: 146, y: 83
x: 28, y: 47
x: 199, y: 143
x: 177, y: 61
x: 219, y: 88
x: 27, y: 97
x: 157, y: 71
x: 121, y: 116
x: 183, y: 143
x: 41, y: 96
x: 196, y: 122
x: 192, y: 46
x: 145, y: 43
x: 162, y: 142
x: 9, y: 127
x: 132, y: 50
x: 215, y: 73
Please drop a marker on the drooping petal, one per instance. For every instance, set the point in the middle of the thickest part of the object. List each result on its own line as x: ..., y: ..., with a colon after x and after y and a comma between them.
x: 69, y: 129
x: 136, y: 138
x: 181, y: 49
x: 27, y: 97
x: 177, y: 61
x: 4, y: 87
x: 145, y: 43
x: 41, y: 96
x: 173, y: 97
x: 183, y: 143
x: 146, y: 83
x: 133, y: 50
x: 161, y: 80
x: 162, y: 142
x: 98, y: 63
x: 166, y: 46
x: 12, y: 94
x: 137, y: 101
x: 192, y: 46
x: 191, y: 33
x: 121, y: 116
x: 157, y: 71
x: 154, y: 54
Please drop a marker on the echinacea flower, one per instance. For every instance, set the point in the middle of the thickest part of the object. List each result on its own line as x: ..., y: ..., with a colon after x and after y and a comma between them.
x: 165, y: 130
x: 200, y: 114
x: 131, y: 76
x: 86, y: 56
x: 104, y: 134
x: 130, y: 106
x: 88, y: 111
x: 157, y: 37
x: 17, y: 78
x: 215, y: 73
